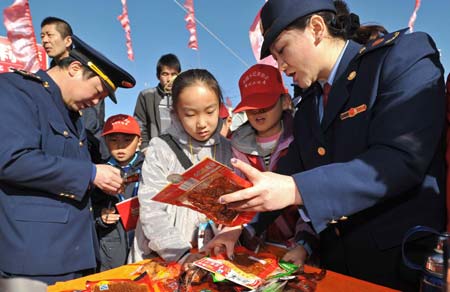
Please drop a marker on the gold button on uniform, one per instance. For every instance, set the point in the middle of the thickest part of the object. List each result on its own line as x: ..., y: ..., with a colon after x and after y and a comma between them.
x: 81, y: 143
x: 343, y: 218
x: 66, y: 133
x: 321, y: 151
x: 333, y: 221
x: 351, y: 76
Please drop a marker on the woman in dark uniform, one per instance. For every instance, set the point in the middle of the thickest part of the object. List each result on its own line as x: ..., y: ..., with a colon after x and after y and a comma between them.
x: 367, y: 162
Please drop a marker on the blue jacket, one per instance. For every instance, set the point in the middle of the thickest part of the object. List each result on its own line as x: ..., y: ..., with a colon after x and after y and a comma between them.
x: 45, y: 170
x: 376, y: 161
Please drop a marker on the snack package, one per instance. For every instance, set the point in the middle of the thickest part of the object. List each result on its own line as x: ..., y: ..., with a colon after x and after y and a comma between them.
x: 158, y: 270
x: 200, y: 187
x: 246, y: 269
x: 140, y: 284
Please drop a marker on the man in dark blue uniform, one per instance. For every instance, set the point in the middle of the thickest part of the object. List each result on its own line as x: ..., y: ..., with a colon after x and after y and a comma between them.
x: 47, y: 230
x: 368, y: 164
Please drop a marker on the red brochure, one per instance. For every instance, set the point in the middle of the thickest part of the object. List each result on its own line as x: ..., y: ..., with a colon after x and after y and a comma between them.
x: 129, y: 213
x: 200, y: 187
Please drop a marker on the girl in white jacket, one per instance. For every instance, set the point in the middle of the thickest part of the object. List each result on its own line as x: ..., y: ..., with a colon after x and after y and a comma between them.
x: 164, y: 230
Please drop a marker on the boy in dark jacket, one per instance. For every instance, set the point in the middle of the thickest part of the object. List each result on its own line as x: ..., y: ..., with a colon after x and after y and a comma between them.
x: 123, y: 138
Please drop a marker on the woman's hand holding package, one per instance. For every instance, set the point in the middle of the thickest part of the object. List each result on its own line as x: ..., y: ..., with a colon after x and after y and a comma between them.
x: 270, y: 191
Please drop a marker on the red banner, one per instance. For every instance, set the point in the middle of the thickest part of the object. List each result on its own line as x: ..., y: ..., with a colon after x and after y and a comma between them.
x: 191, y: 25
x: 125, y: 22
x: 8, y: 59
x: 256, y: 40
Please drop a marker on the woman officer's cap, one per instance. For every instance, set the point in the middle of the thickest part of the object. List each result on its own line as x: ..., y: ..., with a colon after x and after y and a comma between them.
x: 111, y: 75
x: 276, y: 15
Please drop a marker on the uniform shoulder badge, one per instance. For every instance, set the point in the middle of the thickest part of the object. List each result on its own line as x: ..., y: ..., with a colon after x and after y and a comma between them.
x: 387, y: 39
x: 29, y: 75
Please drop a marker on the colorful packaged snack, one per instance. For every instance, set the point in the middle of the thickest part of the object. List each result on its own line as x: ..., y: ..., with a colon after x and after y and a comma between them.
x: 200, y: 187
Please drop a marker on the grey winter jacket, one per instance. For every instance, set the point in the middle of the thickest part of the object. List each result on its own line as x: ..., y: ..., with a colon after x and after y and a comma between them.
x: 164, y: 229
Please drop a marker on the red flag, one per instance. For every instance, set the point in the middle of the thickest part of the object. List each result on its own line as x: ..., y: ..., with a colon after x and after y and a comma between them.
x: 256, y: 40
x: 413, y: 17
x: 20, y: 31
x: 190, y: 24
x: 125, y: 22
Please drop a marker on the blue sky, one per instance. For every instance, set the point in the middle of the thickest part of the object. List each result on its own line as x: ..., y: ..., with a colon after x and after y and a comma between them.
x: 158, y: 27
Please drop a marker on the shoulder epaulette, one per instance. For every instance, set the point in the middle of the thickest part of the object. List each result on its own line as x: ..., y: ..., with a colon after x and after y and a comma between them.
x: 30, y: 76
x: 385, y: 40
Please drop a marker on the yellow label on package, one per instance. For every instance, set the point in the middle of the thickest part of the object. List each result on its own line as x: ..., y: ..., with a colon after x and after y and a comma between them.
x: 230, y: 272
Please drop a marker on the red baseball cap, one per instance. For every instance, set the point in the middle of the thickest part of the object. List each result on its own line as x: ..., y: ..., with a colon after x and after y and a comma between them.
x: 261, y: 86
x: 121, y: 124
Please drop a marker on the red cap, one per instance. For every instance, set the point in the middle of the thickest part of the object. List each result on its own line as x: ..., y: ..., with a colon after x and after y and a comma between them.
x: 261, y: 86
x: 121, y: 124
x: 223, y: 111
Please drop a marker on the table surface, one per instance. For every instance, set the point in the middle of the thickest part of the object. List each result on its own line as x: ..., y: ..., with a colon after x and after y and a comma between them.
x: 332, y: 282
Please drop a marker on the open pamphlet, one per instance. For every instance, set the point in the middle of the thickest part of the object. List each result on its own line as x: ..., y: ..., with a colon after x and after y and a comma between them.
x: 200, y: 187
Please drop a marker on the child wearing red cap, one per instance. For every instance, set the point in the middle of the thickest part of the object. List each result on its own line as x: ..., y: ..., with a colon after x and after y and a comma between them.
x: 123, y: 138
x: 260, y: 142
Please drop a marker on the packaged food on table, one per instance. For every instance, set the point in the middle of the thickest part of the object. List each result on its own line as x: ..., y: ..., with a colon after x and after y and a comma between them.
x: 246, y: 269
x: 157, y: 269
x: 200, y: 187
x: 140, y: 284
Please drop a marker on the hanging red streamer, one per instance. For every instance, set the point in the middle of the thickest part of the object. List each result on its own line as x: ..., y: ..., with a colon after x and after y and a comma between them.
x: 256, y: 40
x: 191, y: 25
x: 413, y: 17
x: 20, y: 31
x: 125, y: 22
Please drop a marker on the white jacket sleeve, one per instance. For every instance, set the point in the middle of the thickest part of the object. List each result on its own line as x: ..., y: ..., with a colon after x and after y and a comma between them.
x: 157, y: 223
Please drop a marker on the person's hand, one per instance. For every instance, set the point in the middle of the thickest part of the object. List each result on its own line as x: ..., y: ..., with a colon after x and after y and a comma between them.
x: 270, y: 191
x: 109, y: 216
x: 189, y: 259
x: 192, y: 273
x: 224, y: 241
x: 108, y: 179
x: 297, y: 255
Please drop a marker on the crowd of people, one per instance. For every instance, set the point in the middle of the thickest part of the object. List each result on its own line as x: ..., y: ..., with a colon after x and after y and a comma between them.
x: 340, y: 171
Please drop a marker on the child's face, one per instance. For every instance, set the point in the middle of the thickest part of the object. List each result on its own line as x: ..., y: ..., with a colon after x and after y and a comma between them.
x: 198, y: 110
x: 267, y: 121
x: 122, y: 146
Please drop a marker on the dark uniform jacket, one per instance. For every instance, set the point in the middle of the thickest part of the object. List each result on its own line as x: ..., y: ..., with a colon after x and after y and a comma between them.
x: 147, y: 113
x: 45, y: 171
x: 374, y: 166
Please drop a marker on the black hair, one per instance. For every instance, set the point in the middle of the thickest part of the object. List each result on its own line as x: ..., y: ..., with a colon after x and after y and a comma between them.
x: 65, y: 62
x: 62, y: 26
x: 342, y: 24
x: 191, y: 77
x: 168, y: 60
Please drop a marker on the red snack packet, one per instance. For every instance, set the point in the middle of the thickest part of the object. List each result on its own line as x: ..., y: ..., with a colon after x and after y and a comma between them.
x: 246, y: 269
x: 157, y: 270
x: 200, y: 187
x: 261, y: 264
x: 165, y: 285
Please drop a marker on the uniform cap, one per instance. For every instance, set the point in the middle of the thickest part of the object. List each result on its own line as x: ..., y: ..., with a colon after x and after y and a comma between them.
x: 124, y: 124
x: 261, y: 86
x: 276, y: 15
x: 111, y: 75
